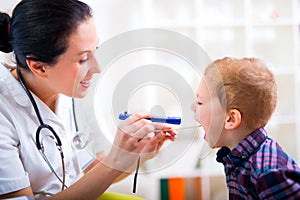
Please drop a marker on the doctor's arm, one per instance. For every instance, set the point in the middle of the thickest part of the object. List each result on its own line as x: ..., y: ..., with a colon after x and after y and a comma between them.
x: 130, y: 142
x: 26, y: 192
x: 153, y: 148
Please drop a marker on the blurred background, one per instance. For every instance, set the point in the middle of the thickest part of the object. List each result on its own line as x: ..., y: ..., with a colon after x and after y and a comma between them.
x: 268, y: 29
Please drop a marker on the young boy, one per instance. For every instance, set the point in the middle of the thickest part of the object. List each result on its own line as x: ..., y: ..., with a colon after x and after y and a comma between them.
x: 235, y: 100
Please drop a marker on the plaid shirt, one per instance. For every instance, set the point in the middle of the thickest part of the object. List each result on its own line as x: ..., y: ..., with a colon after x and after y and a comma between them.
x: 257, y: 168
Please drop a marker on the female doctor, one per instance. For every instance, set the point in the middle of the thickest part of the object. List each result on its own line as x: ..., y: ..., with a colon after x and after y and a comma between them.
x: 53, y: 43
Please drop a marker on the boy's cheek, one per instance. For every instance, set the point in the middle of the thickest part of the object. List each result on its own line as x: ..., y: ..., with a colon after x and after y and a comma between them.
x: 197, y: 116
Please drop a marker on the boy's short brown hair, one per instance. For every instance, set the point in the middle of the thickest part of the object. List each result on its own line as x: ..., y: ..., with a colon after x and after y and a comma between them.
x: 246, y: 85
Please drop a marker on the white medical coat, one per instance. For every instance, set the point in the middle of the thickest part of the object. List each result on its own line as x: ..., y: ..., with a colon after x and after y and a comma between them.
x: 21, y: 164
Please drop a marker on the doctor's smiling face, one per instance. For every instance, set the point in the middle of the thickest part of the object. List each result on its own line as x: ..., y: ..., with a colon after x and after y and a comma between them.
x: 210, y: 114
x: 72, y: 73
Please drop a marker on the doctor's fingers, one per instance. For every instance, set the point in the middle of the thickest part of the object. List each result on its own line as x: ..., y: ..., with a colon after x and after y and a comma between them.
x: 161, y: 127
x: 135, y: 117
x: 153, y: 144
x: 130, y: 140
x: 143, y: 132
x: 136, y: 126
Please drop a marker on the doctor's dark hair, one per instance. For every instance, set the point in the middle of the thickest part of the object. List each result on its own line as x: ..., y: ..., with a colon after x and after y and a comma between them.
x: 4, y: 36
x: 40, y: 30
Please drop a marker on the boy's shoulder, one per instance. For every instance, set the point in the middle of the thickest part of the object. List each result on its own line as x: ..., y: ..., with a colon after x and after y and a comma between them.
x: 270, y: 156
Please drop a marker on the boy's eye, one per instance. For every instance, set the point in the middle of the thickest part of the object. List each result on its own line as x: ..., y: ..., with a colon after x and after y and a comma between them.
x: 199, y: 103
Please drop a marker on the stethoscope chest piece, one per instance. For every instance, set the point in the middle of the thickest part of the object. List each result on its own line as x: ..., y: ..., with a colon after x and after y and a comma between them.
x: 79, y: 140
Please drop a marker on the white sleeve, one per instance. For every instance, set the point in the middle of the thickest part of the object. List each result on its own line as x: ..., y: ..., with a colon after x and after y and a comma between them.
x: 12, y: 174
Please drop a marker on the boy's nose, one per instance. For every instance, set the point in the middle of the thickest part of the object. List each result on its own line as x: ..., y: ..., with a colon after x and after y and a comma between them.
x: 193, y: 107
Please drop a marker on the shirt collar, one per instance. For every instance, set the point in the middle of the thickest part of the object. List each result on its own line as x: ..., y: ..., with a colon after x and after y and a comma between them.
x: 244, y: 149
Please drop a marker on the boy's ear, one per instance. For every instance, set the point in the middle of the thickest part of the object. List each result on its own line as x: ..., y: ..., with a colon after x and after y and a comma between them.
x: 233, y: 119
x: 37, y: 68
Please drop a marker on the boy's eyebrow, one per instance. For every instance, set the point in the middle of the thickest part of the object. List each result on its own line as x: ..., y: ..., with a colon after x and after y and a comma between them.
x: 198, y: 96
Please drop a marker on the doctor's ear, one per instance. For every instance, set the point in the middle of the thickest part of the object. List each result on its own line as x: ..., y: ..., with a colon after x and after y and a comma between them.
x: 233, y: 119
x: 38, y: 68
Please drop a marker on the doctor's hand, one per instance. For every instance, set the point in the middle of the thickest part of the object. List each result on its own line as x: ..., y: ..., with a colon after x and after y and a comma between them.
x: 162, y: 133
x: 132, y: 139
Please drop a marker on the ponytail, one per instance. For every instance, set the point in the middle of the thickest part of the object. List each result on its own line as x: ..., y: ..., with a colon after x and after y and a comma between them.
x: 5, y: 45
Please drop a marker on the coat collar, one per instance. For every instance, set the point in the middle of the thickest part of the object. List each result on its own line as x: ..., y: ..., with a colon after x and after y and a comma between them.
x: 9, y: 86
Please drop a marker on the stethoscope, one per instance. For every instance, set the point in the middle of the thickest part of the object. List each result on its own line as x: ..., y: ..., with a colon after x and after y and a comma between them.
x: 79, y: 140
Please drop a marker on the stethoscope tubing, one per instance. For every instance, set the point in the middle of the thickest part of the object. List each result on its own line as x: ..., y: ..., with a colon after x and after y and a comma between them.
x: 44, y: 126
x: 36, y: 109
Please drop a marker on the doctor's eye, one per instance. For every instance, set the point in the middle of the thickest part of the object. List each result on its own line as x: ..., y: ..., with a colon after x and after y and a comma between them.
x: 84, y: 60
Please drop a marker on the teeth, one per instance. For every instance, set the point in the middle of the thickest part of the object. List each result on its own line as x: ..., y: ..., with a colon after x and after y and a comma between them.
x: 84, y: 82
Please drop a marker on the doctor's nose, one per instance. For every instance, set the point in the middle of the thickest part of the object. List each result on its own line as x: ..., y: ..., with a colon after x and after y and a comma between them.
x: 94, y: 64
